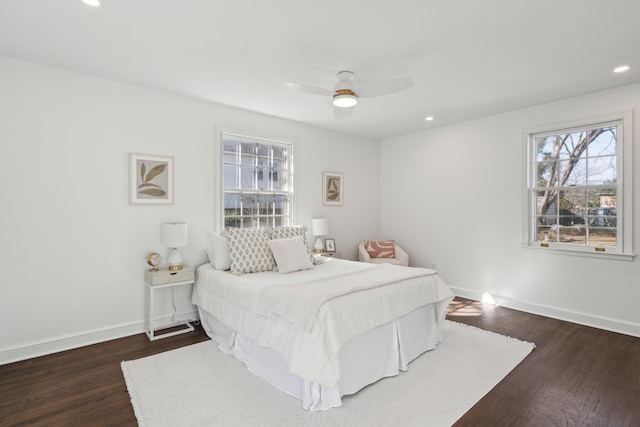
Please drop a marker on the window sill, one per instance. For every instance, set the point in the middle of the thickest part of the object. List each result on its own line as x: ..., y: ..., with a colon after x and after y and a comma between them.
x: 587, y: 253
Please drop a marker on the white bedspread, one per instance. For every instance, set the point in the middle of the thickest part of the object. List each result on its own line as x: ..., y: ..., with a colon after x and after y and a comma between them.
x: 300, y: 302
x: 312, y: 354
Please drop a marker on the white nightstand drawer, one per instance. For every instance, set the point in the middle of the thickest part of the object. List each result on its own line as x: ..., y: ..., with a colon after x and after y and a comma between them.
x: 164, y: 276
x: 329, y: 254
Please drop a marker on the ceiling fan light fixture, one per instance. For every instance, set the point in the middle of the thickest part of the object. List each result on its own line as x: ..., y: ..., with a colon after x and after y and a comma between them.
x: 345, y: 98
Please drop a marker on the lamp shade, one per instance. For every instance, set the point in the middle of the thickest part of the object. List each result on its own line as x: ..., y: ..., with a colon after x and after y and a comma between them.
x: 320, y: 226
x: 174, y: 234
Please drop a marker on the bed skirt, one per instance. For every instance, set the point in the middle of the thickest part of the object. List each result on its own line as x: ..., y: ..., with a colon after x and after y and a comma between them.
x: 381, y: 352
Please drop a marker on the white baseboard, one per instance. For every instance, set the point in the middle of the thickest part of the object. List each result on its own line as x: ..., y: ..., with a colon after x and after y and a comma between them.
x: 600, y: 322
x: 68, y: 342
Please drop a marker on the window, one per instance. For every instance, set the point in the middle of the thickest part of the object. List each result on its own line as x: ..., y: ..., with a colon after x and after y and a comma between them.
x: 578, y: 186
x: 256, y: 182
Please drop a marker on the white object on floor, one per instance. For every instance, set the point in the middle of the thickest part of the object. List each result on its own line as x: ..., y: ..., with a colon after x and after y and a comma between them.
x: 200, y: 385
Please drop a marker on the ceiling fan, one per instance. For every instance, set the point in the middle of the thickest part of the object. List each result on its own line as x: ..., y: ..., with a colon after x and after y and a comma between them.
x: 345, y: 94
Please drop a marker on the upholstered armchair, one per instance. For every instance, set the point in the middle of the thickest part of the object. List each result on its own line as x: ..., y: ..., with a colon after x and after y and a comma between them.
x: 382, y: 251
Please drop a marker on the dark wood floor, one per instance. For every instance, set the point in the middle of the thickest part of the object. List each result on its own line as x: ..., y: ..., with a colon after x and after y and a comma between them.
x: 576, y: 376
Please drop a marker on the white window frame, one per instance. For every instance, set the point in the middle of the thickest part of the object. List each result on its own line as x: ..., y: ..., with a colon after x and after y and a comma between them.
x: 219, y: 205
x: 624, y: 249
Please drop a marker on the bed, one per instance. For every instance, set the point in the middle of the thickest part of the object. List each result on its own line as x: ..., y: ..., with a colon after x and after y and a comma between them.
x: 321, y: 333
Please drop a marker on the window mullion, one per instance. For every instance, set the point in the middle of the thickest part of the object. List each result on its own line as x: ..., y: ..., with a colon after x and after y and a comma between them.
x: 256, y: 199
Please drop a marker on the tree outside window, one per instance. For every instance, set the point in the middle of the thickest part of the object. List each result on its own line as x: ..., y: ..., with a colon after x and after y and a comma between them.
x: 574, y: 187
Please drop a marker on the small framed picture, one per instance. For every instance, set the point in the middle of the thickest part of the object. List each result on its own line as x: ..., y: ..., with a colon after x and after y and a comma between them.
x: 330, y: 245
x: 150, y: 179
x: 332, y: 188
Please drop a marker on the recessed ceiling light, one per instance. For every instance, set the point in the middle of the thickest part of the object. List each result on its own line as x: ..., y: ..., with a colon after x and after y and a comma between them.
x: 92, y: 2
x: 429, y: 118
x: 621, y: 69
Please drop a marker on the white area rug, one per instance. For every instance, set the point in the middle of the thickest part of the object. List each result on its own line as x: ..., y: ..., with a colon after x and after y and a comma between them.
x: 199, y: 385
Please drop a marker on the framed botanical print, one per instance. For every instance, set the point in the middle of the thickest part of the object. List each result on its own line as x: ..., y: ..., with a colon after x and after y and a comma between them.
x: 150, y: 179
x: 332, y: 188
x: 330, y: 245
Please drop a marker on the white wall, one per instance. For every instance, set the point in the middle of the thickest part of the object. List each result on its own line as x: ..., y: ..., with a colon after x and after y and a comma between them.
x: 453, y: 196
x: 73, y: 248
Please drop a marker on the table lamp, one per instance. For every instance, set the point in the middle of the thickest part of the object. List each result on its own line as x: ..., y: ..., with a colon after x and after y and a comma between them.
x: 319, y: 227
x: 174, y: 236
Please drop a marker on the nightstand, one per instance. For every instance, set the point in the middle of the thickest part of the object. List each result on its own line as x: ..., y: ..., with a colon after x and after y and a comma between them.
x: 330, y: 254
x: 163, y: 278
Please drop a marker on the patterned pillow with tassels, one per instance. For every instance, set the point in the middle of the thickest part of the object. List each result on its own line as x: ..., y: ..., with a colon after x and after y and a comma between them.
x: 380, y: 248
x: 249, y: 250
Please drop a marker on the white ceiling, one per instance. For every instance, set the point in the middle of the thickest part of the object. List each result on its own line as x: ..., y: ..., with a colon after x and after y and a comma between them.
x: 468, y: 58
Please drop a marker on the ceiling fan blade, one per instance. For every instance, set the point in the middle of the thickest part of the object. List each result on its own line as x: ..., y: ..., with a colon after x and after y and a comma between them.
x: 308, y: 88
x: 385, y: 87
x: 343, y: 113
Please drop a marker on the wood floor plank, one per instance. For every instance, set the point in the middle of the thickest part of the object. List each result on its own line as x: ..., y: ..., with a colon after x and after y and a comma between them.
x: 576, y: 376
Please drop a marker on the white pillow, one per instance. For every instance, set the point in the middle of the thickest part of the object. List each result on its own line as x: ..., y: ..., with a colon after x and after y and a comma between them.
x: 290, y: 254
x: 289, y: 231
x: 219, y: 251
x: 209, y: 255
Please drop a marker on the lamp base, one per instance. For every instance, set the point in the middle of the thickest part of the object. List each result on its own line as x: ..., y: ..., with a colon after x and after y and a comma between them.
x: 174, y: 260
x: 318, y: 247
